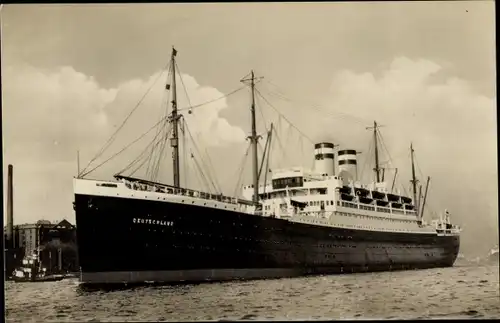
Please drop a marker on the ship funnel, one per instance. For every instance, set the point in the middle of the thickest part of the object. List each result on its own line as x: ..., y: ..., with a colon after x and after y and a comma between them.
x: 324, y: 159
x: 10, y: 204
x: 348, y: 165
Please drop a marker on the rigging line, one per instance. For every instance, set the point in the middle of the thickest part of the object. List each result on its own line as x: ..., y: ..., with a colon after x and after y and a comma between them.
x: 331, y: 115
x: 268, y: 103
x: 154, y: 167
x: 370, y: 146
x: 159, y: 129
x: 144, y: 161
x: 138, y: 158
x: 282, y: 147
x: 199, y: 153
x: 428, y: 200
x: 160, y: 157
x: 277, y: 88
x: 319, y: 109
x: 418, y: 165
x: 264, y: 152
x: 240, y: 170
x: 135, y: 160
x: 267, y: 164
x: 157, y: 156
x: 202, y: 174
x: 211, y: 173
x: 385, y: 147
x: 198, y: 179
x: 199, y: 175
x: 283, y: 151
x: 314, y: 105
x: 141, y: 155
x: 263, y: 118
x: 418, y: 168
x: 111, y: 139
x: 218, y: 187
x: 126, y: 147
x: 288, y: 136
x: 389, y: 155
x: 211, y: 101
x: 206, y: 184
x: 184, y: 152
x: 183, y: 85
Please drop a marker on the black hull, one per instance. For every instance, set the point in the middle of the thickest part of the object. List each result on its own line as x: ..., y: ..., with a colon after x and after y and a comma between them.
x: 183, y: 242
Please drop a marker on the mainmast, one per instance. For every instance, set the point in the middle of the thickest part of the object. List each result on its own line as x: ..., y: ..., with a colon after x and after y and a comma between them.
x: 414, y: 180
x: 174, y: 141
x: 254, y: 139
x: 377, y: 167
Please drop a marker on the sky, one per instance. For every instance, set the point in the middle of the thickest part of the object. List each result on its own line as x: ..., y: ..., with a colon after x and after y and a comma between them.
x: 425, y: 71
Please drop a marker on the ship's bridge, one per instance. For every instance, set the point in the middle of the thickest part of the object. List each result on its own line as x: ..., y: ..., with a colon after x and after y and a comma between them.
x: 293, y: 177
x: 288, y: 172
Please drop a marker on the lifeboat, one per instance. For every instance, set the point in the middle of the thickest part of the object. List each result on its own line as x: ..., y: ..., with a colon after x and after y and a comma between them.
x: 393, y: 198
x: 378, y: 195
x: 406, y: 200
x: 345, y: 190
x: 396, y: 205
x: 346, y: 197
x: 361, y: 191
x: 381, y: 203
x: 365, y: 200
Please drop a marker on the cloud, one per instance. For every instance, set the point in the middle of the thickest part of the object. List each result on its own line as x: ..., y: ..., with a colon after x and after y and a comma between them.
x: 49, y: 114
x: 441, y: 115
x: 452, y: 127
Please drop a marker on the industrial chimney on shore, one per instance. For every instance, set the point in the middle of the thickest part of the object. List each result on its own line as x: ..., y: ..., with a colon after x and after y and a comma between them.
x: 10, y: 206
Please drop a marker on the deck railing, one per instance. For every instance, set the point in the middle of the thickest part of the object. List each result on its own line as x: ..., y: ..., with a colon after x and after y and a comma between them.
x: 375, y: 208
x: 140, y: 185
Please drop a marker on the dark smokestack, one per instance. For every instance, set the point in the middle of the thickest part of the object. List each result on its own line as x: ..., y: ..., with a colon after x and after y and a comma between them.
x: 10, y: 203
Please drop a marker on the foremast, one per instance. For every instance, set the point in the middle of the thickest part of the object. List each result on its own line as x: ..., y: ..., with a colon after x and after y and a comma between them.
x: 174, y: 141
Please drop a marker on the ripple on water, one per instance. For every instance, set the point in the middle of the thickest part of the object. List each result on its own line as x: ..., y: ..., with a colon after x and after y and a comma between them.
x: 446, y: 293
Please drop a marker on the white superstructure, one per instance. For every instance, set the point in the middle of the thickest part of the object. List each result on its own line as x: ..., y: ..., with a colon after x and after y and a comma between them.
x: 316, y: 197
x: 321, y: 198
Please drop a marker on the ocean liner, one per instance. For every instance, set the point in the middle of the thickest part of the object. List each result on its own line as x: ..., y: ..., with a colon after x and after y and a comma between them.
x: 300, y: 222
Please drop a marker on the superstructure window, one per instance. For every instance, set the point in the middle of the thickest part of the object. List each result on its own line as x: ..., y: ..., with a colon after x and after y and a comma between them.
x: 289, y: 181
